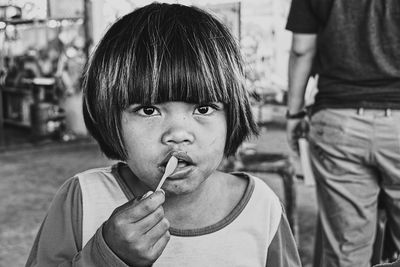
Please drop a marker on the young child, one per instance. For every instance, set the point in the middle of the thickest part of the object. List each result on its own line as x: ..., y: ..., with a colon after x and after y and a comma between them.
x: 166, y: 80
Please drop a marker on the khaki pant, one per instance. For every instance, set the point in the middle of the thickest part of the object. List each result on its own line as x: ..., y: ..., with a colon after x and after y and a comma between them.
x: 355, y: 154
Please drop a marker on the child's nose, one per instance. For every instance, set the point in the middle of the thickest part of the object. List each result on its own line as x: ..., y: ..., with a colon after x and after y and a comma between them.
x: 178, y: 133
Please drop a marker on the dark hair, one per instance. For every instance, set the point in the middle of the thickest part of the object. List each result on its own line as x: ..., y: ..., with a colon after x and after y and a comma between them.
x: 160, y: 53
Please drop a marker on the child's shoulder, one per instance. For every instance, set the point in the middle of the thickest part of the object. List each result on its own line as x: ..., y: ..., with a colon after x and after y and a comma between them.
x: 262, y: 204
x: 259, y: 192
x: 91, y: 177
x: 95, y: 171
x: 102, y: 176
x: 257, y: 184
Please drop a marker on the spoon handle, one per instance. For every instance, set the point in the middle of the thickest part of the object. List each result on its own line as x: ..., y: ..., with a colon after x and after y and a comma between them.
x: 169, y: 169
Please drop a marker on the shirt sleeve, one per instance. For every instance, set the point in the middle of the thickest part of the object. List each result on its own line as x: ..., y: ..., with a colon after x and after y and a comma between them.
x: 282, y: 251
x: 302, y: 18
x: 59, y: 240
x: 394, y: 264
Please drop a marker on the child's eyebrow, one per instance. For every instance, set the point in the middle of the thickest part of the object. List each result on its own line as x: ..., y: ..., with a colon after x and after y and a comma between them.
x: 210, y: 102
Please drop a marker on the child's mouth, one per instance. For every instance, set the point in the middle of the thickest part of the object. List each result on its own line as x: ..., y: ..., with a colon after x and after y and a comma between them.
x: 184, y: 160
x: 182, y: 163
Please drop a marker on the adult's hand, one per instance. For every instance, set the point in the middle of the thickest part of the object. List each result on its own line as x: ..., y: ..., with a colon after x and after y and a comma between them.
x: 295, y: 129
x: 137, y: 232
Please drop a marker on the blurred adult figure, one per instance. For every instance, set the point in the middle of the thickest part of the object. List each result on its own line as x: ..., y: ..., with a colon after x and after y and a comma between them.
x: 354, y: 133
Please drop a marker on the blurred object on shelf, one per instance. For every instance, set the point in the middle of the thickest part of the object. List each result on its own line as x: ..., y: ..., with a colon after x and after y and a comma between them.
x: 34, y: 10
x: 23, y: 9
x: 40, y: 66
x: 8, y: 12
x: 70, y: 62
x: 66, y: 9
x: 72, y: 105
x: 271, y: 95
x: 47, y: 120
x: 268, y: 106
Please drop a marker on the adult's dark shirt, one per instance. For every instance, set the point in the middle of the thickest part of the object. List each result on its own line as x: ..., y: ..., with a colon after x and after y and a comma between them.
x: 358, y: 50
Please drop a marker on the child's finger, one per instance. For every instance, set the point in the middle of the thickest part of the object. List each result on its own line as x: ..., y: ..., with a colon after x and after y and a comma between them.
x: 158, y: 231
x: 148, y: 222
x: 144, y: 207
x: 119, y: 211
x: 160, y: 245
x: 146, y: 195
x: 151, y: 192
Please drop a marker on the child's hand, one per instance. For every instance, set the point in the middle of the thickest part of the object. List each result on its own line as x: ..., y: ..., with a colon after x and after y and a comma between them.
x: 137, y: 232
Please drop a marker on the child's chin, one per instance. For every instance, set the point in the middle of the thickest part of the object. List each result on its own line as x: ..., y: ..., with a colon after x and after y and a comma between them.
x: 177, y: 190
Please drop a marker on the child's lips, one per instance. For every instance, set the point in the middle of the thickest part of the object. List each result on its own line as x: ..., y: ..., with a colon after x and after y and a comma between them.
x: 185, y: 163
x: 181, y: 172
x: 183, y: 158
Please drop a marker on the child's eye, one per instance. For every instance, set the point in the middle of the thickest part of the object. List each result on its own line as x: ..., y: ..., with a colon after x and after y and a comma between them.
x: 206, y: 109
x: 147, y: 111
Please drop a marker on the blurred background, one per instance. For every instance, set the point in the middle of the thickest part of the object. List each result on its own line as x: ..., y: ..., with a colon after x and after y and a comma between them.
x: 44, y: 45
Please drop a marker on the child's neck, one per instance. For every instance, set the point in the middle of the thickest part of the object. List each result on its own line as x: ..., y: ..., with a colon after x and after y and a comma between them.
x: 207, y: 205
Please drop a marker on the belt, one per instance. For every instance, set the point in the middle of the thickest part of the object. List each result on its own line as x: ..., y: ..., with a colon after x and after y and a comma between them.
x: 387, y: 112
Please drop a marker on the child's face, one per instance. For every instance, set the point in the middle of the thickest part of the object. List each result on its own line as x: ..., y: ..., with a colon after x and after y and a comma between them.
x: 194, y: 133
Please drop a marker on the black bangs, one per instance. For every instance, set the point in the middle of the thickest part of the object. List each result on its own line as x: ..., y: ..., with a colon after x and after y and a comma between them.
x: 183, y: 63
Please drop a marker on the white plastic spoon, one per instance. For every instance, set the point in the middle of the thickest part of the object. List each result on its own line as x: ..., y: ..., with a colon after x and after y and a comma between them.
x: 169, y: 169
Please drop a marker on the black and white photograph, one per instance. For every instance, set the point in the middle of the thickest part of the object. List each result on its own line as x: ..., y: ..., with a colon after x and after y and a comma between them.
x: 193, y: 133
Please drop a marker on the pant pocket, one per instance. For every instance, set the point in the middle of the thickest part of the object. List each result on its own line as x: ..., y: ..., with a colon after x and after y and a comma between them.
x: 328, y: 128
